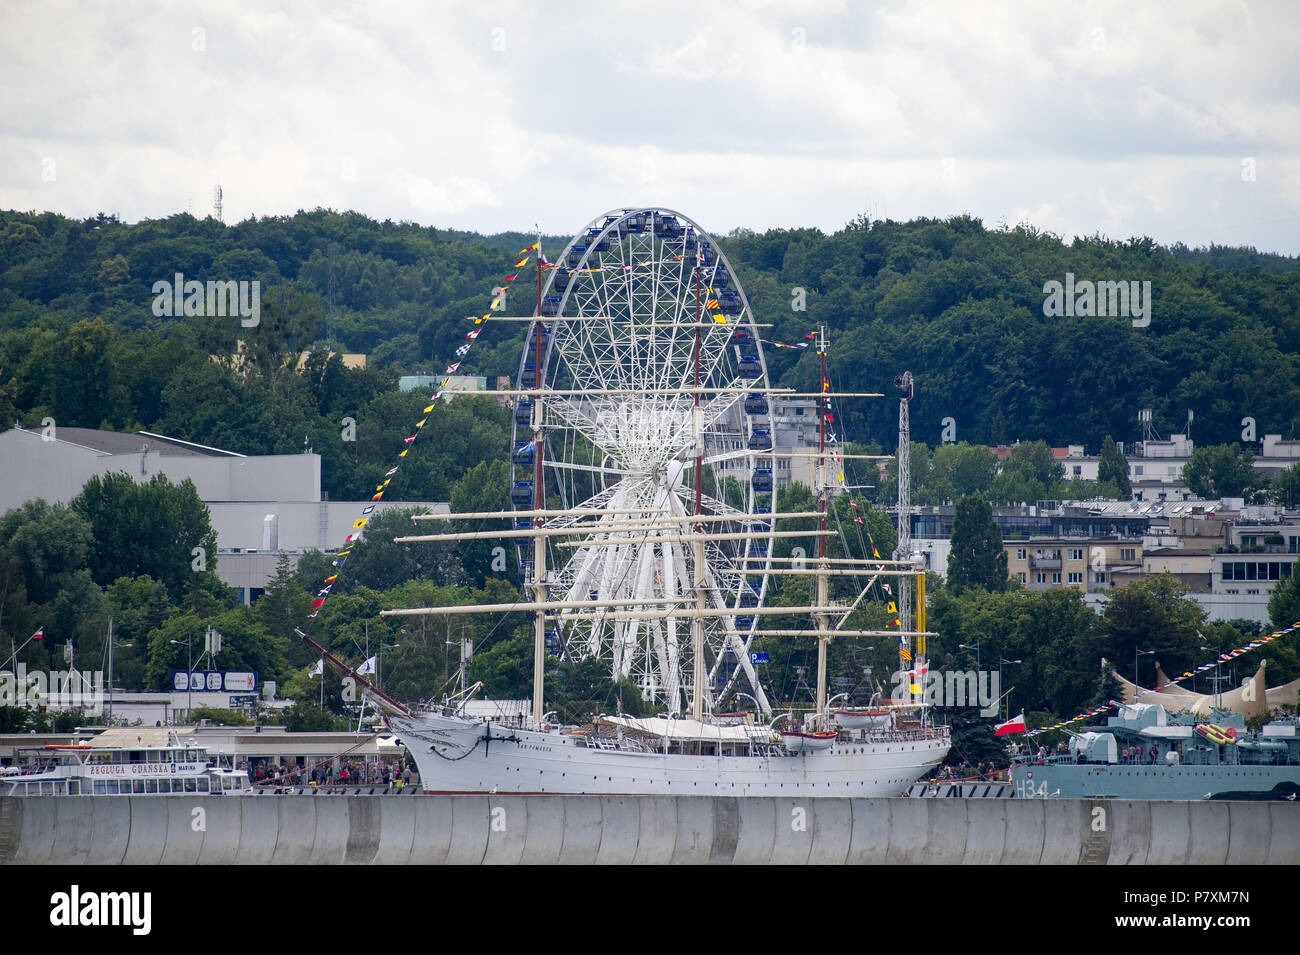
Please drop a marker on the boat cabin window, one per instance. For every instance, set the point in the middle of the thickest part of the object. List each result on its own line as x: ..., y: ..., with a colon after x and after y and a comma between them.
x: 137, y: 785
x: 151, y: 785
x: 189, y: 785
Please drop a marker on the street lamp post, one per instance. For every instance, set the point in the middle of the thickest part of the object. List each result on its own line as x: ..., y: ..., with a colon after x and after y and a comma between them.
x: 1139, y: 653
x: 976, y: 648
x: 379, y: 674
x: 189, y: 674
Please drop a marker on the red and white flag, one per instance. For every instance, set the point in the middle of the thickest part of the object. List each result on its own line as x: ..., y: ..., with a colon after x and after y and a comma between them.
x: 1014, y: 725
x: 38, y: 635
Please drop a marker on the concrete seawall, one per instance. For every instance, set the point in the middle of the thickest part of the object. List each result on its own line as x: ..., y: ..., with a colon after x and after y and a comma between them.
x: 417, y: 829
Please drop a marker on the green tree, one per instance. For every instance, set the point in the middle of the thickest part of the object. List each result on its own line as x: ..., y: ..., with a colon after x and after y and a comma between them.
x: 1113, y: 467
x: 1223, y: 470
x: 960, y: 469
x: 1284, y: 604
x: 379, y: 562
x: 977, y: 558
x: 284, y: 603
x: 307, y: 717
x: 218, y: 716
x: 484, y: 488
x: 1154, y: 613
x: 48, y: 543
x: 1029, y: 474
x: 157, y: 529
x: 1286, y: 486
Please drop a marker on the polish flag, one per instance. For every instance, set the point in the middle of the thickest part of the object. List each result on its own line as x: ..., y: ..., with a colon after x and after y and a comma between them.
x: 38, y: 635
x: 1014, y: 725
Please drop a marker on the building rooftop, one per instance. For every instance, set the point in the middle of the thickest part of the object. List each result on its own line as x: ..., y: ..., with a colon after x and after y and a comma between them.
x: 131, y: 442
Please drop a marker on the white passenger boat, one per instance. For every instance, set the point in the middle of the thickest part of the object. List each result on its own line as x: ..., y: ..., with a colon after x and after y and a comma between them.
x: 124, y: 761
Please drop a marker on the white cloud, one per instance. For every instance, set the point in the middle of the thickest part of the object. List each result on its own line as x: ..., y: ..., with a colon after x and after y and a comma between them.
x: 1108, y: 116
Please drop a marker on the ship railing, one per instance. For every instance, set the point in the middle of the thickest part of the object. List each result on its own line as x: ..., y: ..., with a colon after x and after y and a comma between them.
x: 614, y: 745
x: 899, y: 736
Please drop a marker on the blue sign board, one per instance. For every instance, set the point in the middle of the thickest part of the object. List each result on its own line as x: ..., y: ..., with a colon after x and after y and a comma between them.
x: 214, y: 681
x: 757, y: 658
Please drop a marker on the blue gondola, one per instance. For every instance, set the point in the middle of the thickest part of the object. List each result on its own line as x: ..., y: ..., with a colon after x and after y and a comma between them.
x: 761, y: 440
x: 551, y: 306
x: 561, y: 280
x: 528, y: 377
x: 762, y: 480
x: 523, y: 523
x: 575, y: 256
x: 521, y: 494
x: 523, y: 412
x: 758, y: 549
x: 762, y: 508
x: 523, y: 454
x: 748, y: 366
x: 638, y: 222
x: 740, y: 337
x: 730, y: 303
x: 719, y: 278
x: 667, y: 226
x: 755, y: 404
x: 596, y: 243
x: 526, y: 568
x: 553, y: 646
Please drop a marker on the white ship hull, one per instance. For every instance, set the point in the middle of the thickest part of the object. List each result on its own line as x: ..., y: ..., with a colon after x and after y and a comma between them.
x: 456, y: 755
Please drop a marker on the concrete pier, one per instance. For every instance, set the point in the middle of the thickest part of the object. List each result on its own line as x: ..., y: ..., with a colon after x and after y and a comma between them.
x: 507, y: 829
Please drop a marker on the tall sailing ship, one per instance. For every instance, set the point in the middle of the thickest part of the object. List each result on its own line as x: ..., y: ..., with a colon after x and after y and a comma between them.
x: 645, y: 492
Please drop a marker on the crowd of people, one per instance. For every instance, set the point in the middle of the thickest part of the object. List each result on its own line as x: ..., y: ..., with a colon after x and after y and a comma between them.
x: 983, y: 771
x: 384, y: 772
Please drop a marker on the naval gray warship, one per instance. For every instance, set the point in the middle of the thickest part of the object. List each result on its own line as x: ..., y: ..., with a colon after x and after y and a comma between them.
x: 1147, y: 753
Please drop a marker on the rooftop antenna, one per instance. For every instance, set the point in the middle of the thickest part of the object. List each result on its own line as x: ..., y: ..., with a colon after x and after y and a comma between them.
x: 1148, y: 430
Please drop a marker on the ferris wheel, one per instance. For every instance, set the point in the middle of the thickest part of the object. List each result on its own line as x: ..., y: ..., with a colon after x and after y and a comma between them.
x: 654, y: 427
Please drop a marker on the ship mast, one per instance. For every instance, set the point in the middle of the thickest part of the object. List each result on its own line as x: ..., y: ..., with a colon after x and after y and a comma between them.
x: 697, y: 546
x: 539, y: 541
x: 823, y: 491
x: 903, y: 550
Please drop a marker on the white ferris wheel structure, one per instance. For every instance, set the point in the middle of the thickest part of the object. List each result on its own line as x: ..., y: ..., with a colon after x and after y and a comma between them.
x: 651, y: 428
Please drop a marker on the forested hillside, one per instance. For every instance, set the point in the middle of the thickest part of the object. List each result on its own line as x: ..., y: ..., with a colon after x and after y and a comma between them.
x: 959, y: 305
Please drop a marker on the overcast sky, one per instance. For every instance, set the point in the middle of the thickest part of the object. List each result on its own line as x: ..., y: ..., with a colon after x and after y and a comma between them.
x: 1179, y: 121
